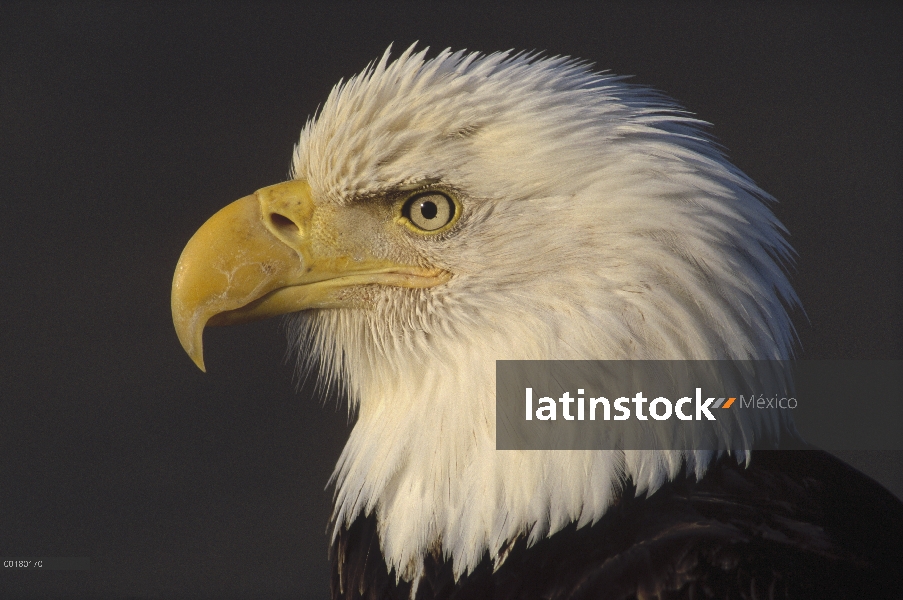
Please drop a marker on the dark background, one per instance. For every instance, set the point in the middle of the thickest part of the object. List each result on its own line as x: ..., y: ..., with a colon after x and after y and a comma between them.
x: 124, y: 126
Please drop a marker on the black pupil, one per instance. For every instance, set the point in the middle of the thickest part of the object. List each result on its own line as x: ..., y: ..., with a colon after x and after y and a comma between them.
x: 429, y: 209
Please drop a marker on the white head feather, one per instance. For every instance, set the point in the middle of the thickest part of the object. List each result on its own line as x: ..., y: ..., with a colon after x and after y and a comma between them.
x: 599, y: 222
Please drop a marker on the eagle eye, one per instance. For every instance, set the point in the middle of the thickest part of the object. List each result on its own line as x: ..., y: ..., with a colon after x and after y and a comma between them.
x: 429, y: 211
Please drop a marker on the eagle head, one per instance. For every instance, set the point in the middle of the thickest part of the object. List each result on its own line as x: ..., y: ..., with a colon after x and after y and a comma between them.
x: 446, y: 213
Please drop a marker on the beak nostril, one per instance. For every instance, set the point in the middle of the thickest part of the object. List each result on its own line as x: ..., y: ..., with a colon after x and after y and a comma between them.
x: 283, y: 224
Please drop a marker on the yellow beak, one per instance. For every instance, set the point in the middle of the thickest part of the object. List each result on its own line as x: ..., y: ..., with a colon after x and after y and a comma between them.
x: 261, y: 256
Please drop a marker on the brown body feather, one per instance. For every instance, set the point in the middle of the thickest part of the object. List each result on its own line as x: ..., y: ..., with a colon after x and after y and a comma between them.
x: 795, y: 524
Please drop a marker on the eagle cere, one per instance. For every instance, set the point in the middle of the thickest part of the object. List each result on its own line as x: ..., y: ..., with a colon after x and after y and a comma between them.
x: 446, y: 213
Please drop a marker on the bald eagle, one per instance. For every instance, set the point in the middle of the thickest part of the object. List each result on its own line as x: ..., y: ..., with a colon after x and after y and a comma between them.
x: 447, y: 213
